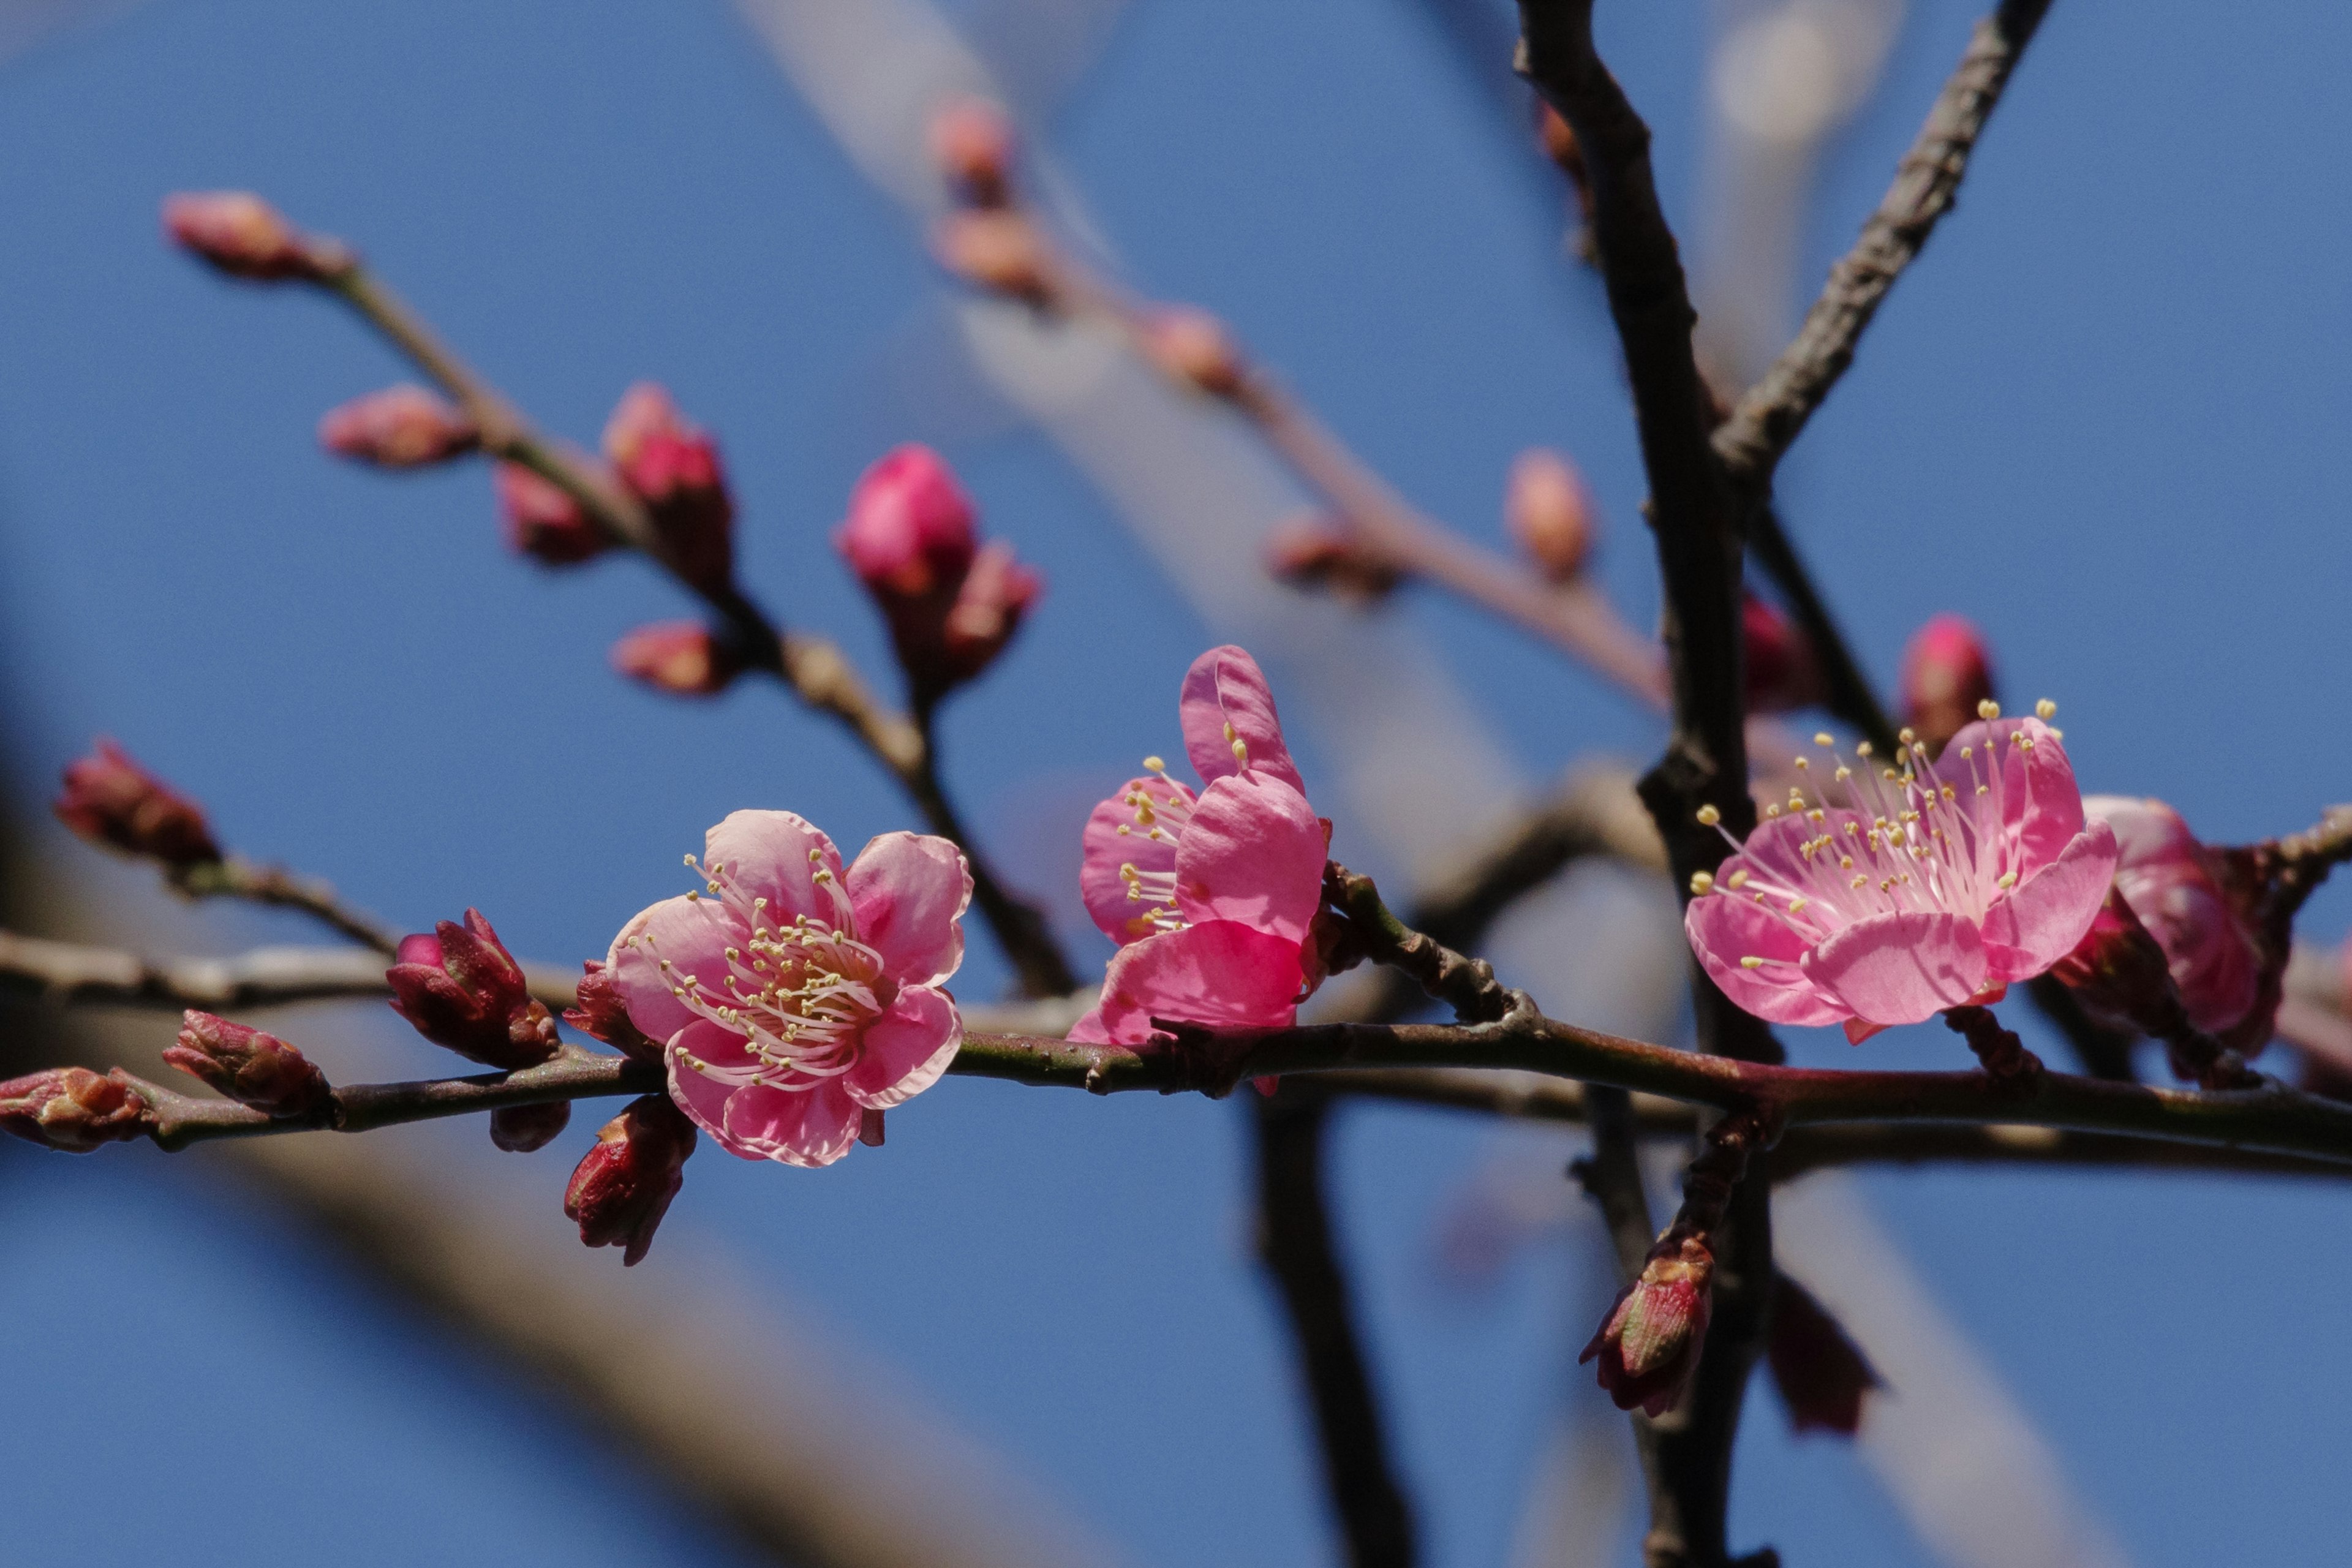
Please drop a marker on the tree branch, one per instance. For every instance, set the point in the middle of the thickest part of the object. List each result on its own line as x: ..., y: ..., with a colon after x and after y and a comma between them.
x: 264, y: 977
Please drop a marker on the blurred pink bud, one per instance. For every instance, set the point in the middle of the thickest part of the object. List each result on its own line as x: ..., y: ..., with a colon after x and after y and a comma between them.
x: 1946, y: 674
x: 1194, y: 347
x: 399, y: 427
x: 1781, y: 671
x: 245, y: 237
x: 250, y: 1067
x: 1650, y: 1345
x: 1821, y: 1374
x: 680, y: 657
x: 73, y: 1110
x: 1550, y: 514
x: 109, y: 799
x: 461, y: 988
x: 989, y: 609
x: 621, y: 1190
x: 543, y: 521
x: 997, y: 251
x: 972, y: 145
x: 528, y: 1129
x: 674, y: 469
x: 909, y: 534
x: 1309, y: 551
x: 602, y: 1014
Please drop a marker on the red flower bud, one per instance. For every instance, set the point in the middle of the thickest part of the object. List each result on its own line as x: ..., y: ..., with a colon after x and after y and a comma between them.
x: 245, y: 237
x: 680, y: 657
x: 997, y: 250
x: 73, y: 1110
x: 972, y: 145
x: 988, y: 609
x: 250, y: 1067
x: 1194, y: 347
x: 909, y: 534
x: 602, y: 1014
x: 526, y: 1129
x: 399, y: 427
x: 109, y: 799
x: 543, y: 521
x: 461, y: 988
x: 1550, y: 514
x: 1946, y: 673
x: 1312, y: 551
x: 674, y: 469
x: 1781, y: 671
x: 621, y: 1190
x: 1650, y: 1344
x: 1821, y: 1374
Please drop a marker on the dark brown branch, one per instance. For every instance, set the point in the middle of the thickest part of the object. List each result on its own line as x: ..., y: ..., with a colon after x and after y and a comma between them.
x: 235, y: 878
x: 266, y: 977
x: 1846, y: 692
x: 1466, y: 984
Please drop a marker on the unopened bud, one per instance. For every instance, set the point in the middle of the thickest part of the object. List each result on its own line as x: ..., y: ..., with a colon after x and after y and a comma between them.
x: 250, y: 1067
x: 674, y: 469
x: 2171, y: 935
x: 73, y: 1110
x: 1309, y: 551
x: 399, y: 427
x: 997, y: 251
x: 620, y: 1190
x: 1821, y: 1374
x: 109, y: 799
x: 602, y: 1014
x: 1650, y: 1344
x: 1194, y: 347
x: 972, y: 145
x: 461, y: 988
x: 1782, y: 673
x: 1550, y: 514
x: 996, y: 596
x: 245, y: 237
x: 1947, y: 676
x: 526, y: 1129
x: 544, y: 522
x: 681, y: 658
x: 909, y: 534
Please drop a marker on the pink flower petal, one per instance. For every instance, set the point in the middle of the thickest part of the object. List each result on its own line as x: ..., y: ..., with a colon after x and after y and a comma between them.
x: 1221, y: 973
x: 910, y: 891
x: 1225, y: 699
x: 1254, y: 852
x: 2033, y: 803
x: 1117, y: 835
x: 704, y: 1096
x: 1857, y: 1031
x: 1900, y: 968
x: 693, y: 934
x: 905, y: 1050
x: 1725, y: 927
x: 769, y: 854
x: 808, y: 1127
x: 2039, y: 922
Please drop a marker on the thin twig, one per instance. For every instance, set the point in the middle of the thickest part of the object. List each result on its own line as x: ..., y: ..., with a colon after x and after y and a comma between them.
x: 235, y: 877
x: 264, y: 977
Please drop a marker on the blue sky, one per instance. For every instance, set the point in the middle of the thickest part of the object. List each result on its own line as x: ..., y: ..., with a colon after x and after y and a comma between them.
x: 2104, y: 417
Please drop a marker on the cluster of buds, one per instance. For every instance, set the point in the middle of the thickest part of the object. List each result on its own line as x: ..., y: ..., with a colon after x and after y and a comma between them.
x: 109, y: 799
x: 1782, y: 673
x: 1312, y: 551
x: 1550, y: 514
x: 545, y: 520
x: 402, y: 426
x: 987, y: 241
x: 461, y: 988
x: 685, y: 659
x: 1650, y: 1344
x: 73, y: 1110
x: 250, y: 1067
x: 245, y: 237
x: 951, y: 604
x: 674, y: 469
x: 620, y: 1190
x: 1946, y: 678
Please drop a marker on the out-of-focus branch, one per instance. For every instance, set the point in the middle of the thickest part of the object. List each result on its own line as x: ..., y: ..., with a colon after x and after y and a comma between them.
x: 263, y: 977
x: 235, y: 877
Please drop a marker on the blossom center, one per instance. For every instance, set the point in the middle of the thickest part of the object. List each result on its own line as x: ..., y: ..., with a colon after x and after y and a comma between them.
x: 1157, y: 818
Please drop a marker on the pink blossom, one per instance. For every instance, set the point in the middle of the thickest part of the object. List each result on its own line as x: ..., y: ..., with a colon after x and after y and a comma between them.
x: 2167, y: 878
x: 402, y: 426
x: 909, y: 534
x: 245, y: 237
x: 796, y: 1002
x: 674, y: 469
x: 1887, y: 896
x: 1210, y: 894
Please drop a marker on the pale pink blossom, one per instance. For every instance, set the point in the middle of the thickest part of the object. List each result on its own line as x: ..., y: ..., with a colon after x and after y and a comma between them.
x: 1212, y: 894
x: 1889, y: 894
x: 2167, y: 878
x: 795, y: 1002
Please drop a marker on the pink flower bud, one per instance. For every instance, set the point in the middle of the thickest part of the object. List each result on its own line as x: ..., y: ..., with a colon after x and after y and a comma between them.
x: 909, y: 534
x: 680, y: 657
x: 997, y: 250
x: 109, y: 799
x: 601, y: 1013
x: 621, y: 1190
x: 1194, y: 347
x: 1550, y: 514
x: 1650, y: 1345
x: 2170, y: 917
x: 543, y: 521
x: 1781, y: 671
x: 1821, y: 1374
x: 73, y: 1110
x: 250, y: 1067
x: 1946, y: 674
x: 245, y: 237
x: 972, y: 145
x: 674, y: 469
x: 989, y: 609
x: 461, y: 988
x: 1313, y: 551
x: 528, y: 1129
x: 399, y: 427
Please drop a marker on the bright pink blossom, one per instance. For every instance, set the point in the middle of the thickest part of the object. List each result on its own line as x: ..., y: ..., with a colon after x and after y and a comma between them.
x: 2169, y: 879
x: 796, y: 1002
x: 1211, y: 895
x: 1888, y: 896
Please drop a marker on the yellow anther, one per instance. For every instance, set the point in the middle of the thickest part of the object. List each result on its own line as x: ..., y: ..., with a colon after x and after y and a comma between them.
x: 1708, y: 816
x: 1796, y: 906
x: 1771, y: 811
x: 2006, y: 879
x: 1154, y: 765
x: 2057, y: 734
x: 1984, y: 789
x: 1907, y: 735
x: 2045, y: 711
x: 1860, y: 881
x: 1844, y: 774
x: 1863, y: 749
x: 1988, y: 708
x: 1739, y: 878
x: 1702, y: 884
x: 1966, y: 751
x: 1802, y: 762
x: 1240, y: 751
x: 1823, y: 737
x: 693, y: 898
x: 689, y: 859
x: 1845, y: 862
x: 1751, y: 963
